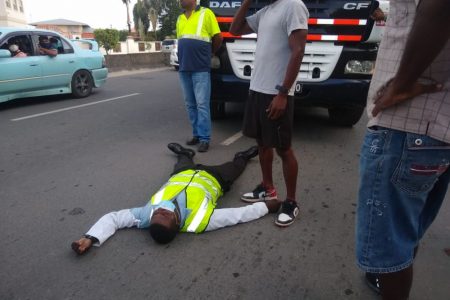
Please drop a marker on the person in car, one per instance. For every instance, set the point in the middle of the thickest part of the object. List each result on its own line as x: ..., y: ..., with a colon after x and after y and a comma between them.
x: 186, y: 203
x: 46, y: 47
x: 16, y: 52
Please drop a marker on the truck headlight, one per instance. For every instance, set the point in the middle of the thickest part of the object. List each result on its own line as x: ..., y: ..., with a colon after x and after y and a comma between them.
x: 359, y: 67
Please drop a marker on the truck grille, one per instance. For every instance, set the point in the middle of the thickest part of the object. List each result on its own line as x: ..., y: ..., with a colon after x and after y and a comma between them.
x: 318, y: 63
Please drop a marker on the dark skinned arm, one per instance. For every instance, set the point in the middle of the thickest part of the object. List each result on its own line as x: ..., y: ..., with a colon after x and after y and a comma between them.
x: 240, y: 25
x: 216, y: 42
x: 428, y: 36
x: 49, y: 52
x: 297, y: 41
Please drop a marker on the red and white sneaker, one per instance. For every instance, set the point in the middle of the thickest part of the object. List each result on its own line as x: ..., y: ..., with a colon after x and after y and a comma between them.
x: 260, y: 193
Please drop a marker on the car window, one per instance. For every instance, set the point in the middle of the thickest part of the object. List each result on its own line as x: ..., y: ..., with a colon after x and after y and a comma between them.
x: 23, y: 41
x: 60, y: 44
x: 83, y: 44
x: 67, y: 47
x: 168, y: 42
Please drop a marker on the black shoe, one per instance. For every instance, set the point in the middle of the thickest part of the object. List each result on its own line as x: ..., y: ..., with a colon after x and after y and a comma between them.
x: 373, y: 281
x: 247, y: 154
x: 193, y: 141
x: 203, y: 147
x: 286, y: 216
x: 180, y: 150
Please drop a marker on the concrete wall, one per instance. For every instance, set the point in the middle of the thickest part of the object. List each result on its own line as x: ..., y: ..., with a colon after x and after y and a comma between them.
x: 120, y: 62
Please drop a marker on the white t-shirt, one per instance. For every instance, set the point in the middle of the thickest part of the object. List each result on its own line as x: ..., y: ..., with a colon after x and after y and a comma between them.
x: 274, y: 24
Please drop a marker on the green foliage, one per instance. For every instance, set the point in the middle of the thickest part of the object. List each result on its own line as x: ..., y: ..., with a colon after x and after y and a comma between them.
x: 168, y: 18
x: 166, y: 13
x: 123, y: 35
x: 140, y: 16
x: 107, y: 38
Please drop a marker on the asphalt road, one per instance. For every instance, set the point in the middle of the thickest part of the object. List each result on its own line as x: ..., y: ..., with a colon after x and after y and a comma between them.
x: 66, y: 162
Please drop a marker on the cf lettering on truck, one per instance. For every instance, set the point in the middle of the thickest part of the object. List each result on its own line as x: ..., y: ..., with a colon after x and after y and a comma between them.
x: 337, y: 66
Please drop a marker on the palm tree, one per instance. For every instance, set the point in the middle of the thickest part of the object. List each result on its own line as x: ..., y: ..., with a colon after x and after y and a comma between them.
x: 127, y: 2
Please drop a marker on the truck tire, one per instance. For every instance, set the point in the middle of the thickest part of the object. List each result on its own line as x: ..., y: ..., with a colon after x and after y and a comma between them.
x: 217, y: 110
x: 345, y: 116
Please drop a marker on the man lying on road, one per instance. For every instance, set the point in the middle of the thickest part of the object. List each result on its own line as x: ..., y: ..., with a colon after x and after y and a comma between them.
x: 186, y: 203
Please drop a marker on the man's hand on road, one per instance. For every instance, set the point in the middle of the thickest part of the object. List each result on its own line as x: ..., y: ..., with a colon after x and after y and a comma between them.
x: 277, y: 107
x: 392, y: 93
x: 82, y: 245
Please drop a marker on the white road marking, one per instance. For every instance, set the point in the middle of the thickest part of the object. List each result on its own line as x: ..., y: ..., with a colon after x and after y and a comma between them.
x: 232, y: 139
x: 73, y: 107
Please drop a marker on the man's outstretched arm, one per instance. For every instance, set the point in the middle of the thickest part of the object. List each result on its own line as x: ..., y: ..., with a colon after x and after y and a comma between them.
x: 225, y: 217
x: 104, y: 228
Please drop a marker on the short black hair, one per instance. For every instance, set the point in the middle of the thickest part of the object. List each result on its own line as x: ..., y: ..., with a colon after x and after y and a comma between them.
x: 162, y: 234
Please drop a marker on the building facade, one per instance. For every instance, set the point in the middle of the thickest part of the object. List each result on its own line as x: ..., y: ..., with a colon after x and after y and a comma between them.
x: 12, y: 13
x: 68, y: 28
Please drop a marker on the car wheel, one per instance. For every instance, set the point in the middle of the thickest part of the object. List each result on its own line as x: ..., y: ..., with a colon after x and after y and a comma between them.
x: 345, y: 116
x: 217, y: 110
x: 82, y: 84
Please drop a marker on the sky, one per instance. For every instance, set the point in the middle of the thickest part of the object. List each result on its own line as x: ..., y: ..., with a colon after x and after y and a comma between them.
x: 95, y: 13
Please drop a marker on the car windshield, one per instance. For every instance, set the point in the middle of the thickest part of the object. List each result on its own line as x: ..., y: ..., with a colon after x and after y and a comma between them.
x: 168, y: 42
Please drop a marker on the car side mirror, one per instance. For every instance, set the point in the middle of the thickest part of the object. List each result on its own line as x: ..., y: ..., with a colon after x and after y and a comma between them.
x: 4, y: 53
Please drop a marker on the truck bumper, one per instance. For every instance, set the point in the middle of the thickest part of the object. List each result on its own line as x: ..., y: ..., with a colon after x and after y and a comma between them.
x: 329, y: 93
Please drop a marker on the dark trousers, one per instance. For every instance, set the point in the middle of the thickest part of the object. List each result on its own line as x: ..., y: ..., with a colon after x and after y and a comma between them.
x: 225, y: 173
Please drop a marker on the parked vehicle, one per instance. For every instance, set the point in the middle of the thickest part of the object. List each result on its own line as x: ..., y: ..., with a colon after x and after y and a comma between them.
x: 337, y: 66
x: 174, y: 58
x: 168, y: 45
x: 73, y: 70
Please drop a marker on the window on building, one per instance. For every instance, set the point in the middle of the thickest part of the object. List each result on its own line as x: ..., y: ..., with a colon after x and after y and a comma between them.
x: 15, y: 5
x: 20, y: 5
x: 8, y: 3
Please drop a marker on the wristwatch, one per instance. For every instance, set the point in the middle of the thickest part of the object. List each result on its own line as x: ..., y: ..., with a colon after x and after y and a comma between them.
x: 93, y: 239
x: 282, y: 90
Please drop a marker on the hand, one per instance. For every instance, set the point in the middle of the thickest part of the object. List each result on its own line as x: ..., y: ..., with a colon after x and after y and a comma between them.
x: 273, y: 206
x: 277, y: 107
x: 82, y: 245
x: 392, y: 93
x: 378, y: 15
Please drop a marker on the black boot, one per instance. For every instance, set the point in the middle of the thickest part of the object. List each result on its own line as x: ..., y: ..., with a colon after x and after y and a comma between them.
x: 247, y: 154
x: 180, y: 150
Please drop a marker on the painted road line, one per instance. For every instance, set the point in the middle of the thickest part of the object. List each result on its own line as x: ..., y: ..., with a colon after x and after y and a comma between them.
x: 73, y: 107
x: 232, y: 139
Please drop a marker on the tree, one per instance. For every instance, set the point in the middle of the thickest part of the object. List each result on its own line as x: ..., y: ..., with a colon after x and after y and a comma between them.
x: 123, y: 34
x: 140, y: 16
x: 169, y: 16
x: 107, y: 38
x: 127, y: 2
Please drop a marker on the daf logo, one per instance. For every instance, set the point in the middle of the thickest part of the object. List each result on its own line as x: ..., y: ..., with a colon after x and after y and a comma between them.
x: 356, y: 6
x: 224, y: 4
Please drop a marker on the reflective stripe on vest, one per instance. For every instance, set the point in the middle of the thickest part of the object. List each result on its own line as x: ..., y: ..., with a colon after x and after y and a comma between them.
x: 201, y: 212
x: 202, y: 192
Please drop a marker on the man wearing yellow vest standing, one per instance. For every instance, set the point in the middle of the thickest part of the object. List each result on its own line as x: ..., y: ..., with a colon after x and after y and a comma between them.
x: 186, y: 203
x: 199, y: 37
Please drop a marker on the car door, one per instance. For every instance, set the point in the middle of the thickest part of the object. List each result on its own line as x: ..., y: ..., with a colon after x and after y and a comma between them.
x: 57, y: 71
x: 22, y: 74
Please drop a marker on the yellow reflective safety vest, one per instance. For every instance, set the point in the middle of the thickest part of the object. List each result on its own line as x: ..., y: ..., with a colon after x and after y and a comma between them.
x: 202, y: 192
x: 195, y: 40
x: 201, y: 25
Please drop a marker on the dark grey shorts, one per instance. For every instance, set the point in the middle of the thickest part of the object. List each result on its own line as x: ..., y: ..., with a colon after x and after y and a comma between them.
x: 268, y: 133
